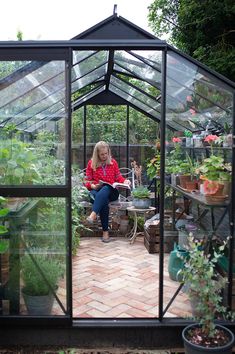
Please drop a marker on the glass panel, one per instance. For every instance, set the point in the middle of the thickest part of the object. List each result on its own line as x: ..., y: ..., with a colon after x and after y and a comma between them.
x: 54, y: 112
x: 33, y: 262
x: 78, y: 138
x: 153, y: 58
x: 37, y: 99
x: 89, y: 64
x: 48, y: 123
x: 137, y: 67
x: 28, y: 82
x: 202, y: 98
x: 86, y: 89
x: 143, y: 134
x: 107, y: 123
x: 135, y: 93
x: 198, y: 167
x: 81, y: 54
x: 134, y: 101
x: 87, y: 96
x: 7, y: 69
x: 91, y: 77
x: 142, y: 85
x: 37, y: 159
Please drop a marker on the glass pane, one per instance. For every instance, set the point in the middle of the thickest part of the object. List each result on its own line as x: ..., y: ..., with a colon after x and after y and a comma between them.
x: 86, y: 89
x: 89, y: 64
x: 137, y: 67
x: 39, y: 158
x: 7, y: 69
x: 36, y: 100
x: 91, y: 77
x: 198, y: 168
x: 135, y: 93
x: 152, y: 57
x: 33, y: 263
x: 81, y: 54
x: 88, y: 96
x: 53, y: 112
x: 202, y: 99
x: 134, y: 101
x: 28, y: 82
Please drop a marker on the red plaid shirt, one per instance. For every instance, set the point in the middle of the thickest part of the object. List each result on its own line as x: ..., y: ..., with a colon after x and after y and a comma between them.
x: 108, y: 173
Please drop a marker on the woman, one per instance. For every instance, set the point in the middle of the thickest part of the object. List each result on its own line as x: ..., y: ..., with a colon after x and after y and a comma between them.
x: 102, y: 167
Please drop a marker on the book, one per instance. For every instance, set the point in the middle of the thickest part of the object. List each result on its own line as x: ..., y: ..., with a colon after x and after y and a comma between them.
x: 116, y: 185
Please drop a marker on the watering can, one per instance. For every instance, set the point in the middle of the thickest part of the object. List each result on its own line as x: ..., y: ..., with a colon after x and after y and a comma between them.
x: 176, y: 261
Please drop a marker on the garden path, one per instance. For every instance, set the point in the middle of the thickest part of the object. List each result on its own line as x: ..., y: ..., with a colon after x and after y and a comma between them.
x: 119, y: 279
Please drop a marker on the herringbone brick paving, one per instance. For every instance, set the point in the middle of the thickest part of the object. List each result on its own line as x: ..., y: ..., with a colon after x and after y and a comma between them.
x: 119, y: 279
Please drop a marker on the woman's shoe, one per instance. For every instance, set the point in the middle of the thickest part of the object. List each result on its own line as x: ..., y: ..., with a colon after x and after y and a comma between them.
x: 105, y: 240
x: 90, y: 220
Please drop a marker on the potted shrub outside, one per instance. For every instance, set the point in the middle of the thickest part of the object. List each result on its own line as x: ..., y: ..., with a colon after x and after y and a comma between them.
x: 141, y: 197
x: 40, y: 274
x: 204, y: 286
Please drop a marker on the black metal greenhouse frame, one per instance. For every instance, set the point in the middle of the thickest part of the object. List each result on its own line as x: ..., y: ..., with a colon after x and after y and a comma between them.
x: 95, y: 332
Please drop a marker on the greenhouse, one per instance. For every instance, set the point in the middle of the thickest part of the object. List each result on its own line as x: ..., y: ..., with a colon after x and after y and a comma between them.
x: 166, y: 116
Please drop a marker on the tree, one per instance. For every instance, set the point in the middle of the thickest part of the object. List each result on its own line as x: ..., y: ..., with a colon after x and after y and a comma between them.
x: 202, y: 29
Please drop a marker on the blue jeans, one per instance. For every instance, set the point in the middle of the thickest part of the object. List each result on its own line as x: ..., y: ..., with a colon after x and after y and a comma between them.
x: 101, y: 201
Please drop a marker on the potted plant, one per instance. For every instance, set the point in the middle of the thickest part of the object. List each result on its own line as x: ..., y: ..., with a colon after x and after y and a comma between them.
x: 187, y: 174
x: 40, y: 275
x: 153, y: 166
x: 227, y: 138
x: 203, y: 284
x: 214, y: 171
x: 141, y: 197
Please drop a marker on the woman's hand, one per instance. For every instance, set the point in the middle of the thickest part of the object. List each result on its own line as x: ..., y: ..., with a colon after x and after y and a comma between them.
x: 127, y: 181
x: 95, y: 186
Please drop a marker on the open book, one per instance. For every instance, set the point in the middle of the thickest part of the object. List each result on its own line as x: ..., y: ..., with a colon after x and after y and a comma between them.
x: 115, y: 185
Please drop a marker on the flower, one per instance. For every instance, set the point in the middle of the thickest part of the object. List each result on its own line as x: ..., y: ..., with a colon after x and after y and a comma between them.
x: 192, y: 111
x: 176, y: 140
x: 211, y: 138
x: 189, y: 98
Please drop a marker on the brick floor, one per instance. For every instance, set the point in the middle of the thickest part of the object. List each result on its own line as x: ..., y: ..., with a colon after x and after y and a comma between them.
x: 120, y: 280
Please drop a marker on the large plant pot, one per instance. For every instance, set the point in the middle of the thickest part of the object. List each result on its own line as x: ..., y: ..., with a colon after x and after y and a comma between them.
x: 143, y: 203
x: 183, y: 179
x: 191, y: 185
x: 38, y: 305
x: 191, y: 348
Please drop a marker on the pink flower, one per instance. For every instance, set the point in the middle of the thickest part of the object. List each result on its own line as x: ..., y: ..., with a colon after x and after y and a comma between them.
x: 176, y: 140
x: 210, y: 138
x: 189, y: 99
x: 192, y: 111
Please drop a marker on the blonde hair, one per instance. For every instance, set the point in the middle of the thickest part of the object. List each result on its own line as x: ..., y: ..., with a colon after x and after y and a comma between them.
x: 95, y: 161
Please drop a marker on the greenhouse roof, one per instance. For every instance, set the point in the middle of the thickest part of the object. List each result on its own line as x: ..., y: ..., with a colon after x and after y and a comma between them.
x: 115, y: 77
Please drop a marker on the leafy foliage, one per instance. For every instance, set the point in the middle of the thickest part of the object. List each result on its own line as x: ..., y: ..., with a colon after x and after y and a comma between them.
x: 34, y: 281
x: 202, y: 29
x: 140, y: 192
x: 204, y: 285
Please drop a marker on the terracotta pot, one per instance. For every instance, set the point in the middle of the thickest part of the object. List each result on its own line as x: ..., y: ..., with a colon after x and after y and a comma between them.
x: 191, y: 185
x: 227, y: 187
x: 220, y: 190
x: 184, y: 179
